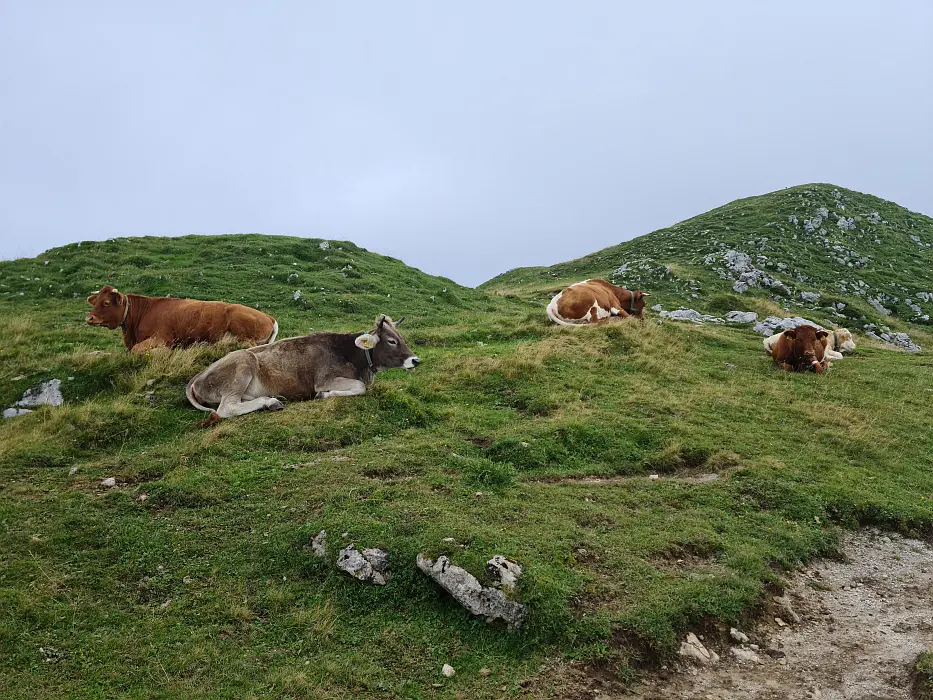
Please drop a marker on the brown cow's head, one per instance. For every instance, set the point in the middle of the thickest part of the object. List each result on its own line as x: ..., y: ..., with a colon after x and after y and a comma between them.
x: 633, y: 301
x: 109, y: 307
x: 807, y: 344
x: 387, y: 347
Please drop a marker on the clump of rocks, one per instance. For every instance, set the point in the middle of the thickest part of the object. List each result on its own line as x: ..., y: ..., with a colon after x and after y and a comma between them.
x: 370, y: 565
x: 695, y: 316
x: 775, y: 324
x: 48, y: 393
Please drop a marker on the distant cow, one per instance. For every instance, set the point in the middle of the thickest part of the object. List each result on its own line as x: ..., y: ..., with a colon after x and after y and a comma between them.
x: 314, y: 366
x: 800, y: 349
x: 149, y: 322
x: 592, y: 301
x: 835, y: 344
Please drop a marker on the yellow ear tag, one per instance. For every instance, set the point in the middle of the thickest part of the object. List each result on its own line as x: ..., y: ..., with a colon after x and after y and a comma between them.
x: 367, y: 343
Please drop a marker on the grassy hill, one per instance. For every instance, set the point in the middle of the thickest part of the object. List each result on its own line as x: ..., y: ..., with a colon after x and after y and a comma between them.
x: 866, y: 260
x: 192, y: 577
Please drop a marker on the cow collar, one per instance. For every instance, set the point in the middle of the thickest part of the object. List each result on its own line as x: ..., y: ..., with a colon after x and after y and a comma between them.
x: 631, y: 301
x: 369, y: 359
x: 126, y: 312
x: 835, y: 341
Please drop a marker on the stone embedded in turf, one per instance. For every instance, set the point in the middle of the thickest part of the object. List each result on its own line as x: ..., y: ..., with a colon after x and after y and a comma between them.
x: 504, y: 573
x: 319, y: 544
x: 369, y: 565
x: 482, y: 601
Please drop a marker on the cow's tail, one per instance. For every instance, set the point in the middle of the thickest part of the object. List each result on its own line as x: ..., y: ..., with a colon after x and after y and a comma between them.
x: 193, y: 398
x: 554, y: 315
x: 275, y: 331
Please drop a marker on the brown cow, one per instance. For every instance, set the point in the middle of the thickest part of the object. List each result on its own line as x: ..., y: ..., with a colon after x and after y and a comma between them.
x: 801, y: 349
x: 149, y: 322
x: 592, y: 301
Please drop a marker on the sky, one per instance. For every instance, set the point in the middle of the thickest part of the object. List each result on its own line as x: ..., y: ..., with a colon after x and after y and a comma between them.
x: 464, y: 138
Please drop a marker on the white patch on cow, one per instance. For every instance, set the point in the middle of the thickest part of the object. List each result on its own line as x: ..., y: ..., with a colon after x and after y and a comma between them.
x: 614, y: 311
x: 411, y: 362
x: 579, y: 283
x: 601, y: 313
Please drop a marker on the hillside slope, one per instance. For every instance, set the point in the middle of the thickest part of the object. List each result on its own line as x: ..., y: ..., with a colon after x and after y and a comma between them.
x: 851, y: 258
x: 193, y: 577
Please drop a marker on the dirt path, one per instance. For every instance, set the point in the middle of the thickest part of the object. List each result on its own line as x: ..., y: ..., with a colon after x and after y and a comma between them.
x: 863, y: 622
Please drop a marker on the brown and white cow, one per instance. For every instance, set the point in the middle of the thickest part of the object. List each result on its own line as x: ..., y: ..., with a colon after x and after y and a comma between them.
x: 149, y: 322
x: 801, y: 349
x: 592, y: 301
x: 314, y: 366
x: 836, y: 344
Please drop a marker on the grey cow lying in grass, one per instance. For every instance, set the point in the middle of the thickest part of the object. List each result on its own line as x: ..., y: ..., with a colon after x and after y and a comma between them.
x: 314, y: 366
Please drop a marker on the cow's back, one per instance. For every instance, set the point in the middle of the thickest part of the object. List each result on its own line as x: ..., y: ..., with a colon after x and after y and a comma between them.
x: 188, y: 321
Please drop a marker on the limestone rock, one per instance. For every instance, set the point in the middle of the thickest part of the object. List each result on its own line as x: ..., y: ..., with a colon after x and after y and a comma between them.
x: 488, y: 603
x: 369, y: 565
x: 319, y: 544
x: 774, y: 324
x: 692, y: 649
x: 45, y: 394
x: 740, y: 637
x: 741, y: 317
x: 745, y: 655
x: 504, y: 573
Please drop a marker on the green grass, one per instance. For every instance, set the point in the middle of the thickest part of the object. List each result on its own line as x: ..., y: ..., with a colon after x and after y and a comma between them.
x: 207, y: 588
x: 923, y: 676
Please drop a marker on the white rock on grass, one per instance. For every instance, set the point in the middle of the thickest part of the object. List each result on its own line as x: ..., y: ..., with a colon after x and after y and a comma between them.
x: 504, y: 573
x: 901, y: 340
x: 690, y: 315
x: 45, y: 394
x: 773, y: 324
x: 489, y: 603
x: 15, y: 412
x: 369, y: 565
x: 692, y: 649
x: 741, y: 317
x: 109, y: 482
x: 319, y: 544
x: 448, y: 671
x: 739, y: 637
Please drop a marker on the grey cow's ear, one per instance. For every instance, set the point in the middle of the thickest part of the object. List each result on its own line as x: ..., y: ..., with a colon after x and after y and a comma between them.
x: 366, y: 341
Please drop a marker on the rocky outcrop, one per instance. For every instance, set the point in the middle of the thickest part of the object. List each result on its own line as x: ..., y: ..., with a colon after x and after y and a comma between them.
x: 48, y: 393
x: 774, y: 324
x: 370, y: 565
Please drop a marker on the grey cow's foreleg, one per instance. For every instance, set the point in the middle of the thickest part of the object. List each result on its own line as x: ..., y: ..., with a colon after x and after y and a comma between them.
x: 341, y: 386
x: 232, y: 405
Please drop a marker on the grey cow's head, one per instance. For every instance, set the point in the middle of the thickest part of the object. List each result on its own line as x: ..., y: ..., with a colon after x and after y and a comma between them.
x: 387, y: 346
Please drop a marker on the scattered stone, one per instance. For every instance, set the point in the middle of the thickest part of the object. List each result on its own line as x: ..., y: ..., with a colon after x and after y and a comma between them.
x: 773, y: 324
x: 690, y: 315
x: 745, y: 655
x: 109, y: 482
x: 654, y: 477
x: 741, y: 317
x: 142, y: 498
x: 692, y: 649
x: 488, y: 603
x: 15, y: 412
x: 18, y: 377
x: 812, y: 297
x: 73, y: 471
x: 45, y: 394
x: 504, y: 573
x: 448, y: 671
x: 319, y: 544
x: 901, y: 340
x: 780, y: 622
x: 739, y: 637
x: 369, y: 565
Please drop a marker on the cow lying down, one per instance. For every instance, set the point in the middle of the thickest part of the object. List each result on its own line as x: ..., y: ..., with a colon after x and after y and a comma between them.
x: 149, y: 322
x: 801, y: 349
x: 835, y: 344
x: 314, y: 366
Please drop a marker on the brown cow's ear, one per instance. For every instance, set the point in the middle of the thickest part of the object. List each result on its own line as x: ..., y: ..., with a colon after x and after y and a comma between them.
x: 92, y: 299
x: 790, y: 333
x: 822, y: 334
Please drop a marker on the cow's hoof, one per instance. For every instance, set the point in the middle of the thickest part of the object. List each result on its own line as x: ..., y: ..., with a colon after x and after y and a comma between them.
x: 212, y: 419
x: 275, y: 405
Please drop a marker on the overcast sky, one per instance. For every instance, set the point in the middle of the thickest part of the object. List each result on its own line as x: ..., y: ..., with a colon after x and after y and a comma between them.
x: 464, y: 138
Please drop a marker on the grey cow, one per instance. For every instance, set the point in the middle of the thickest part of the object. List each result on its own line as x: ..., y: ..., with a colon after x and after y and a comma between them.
x: 314, y: 366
